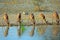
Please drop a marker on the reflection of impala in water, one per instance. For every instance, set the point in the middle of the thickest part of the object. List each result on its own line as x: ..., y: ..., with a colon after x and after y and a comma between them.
x: 7, y: 22
x: 33, y: 21
x: 19, y: 23
x: 55, y: 30
x: 41, y: 30
x: 56, y: 17
x: 42, y: 16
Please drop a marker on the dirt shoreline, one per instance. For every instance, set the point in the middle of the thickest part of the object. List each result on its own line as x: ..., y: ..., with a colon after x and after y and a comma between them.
x: 38, y: 24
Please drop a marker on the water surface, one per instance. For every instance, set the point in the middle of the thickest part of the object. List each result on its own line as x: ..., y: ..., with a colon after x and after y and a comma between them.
x: 47, y: 35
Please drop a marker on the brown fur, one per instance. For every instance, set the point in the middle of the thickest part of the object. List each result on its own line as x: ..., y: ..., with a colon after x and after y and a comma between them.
x: 42, y: 16
x: 19, y: 17
x: 56, y: 17
x: 32, y: 18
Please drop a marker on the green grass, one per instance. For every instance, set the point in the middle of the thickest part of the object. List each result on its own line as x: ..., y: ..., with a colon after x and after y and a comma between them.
x: 23, y: 27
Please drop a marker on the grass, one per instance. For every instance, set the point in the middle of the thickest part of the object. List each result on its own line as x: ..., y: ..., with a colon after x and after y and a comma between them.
x: 23, y: 27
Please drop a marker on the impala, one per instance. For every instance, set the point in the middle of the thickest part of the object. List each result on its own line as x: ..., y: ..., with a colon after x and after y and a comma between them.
x: 7, y: 22
x: 42, y: 16
x: 56, y: 17
x: 33, y: 21
x: 19, y: 23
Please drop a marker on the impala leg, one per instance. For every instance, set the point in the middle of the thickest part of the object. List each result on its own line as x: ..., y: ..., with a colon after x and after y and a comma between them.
x: 32, y: 31
x: 45, y: 21
x: 19, y: 29
x: 6, y: 31
x: 57, y: 21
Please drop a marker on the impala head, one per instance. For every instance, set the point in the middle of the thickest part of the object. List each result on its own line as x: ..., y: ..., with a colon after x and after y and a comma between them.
x: 55, y: 15
x: 18, y: 14
x: 18, y: 17
x: 6, y: 19
x: 31, y: 16
x: 5, y: 16
x: 42, y: 16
